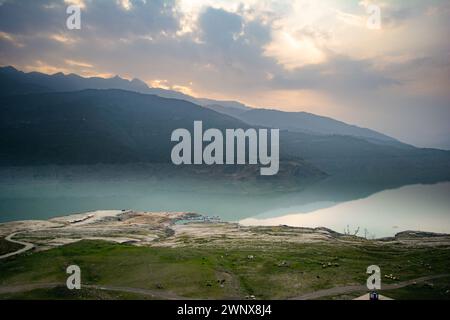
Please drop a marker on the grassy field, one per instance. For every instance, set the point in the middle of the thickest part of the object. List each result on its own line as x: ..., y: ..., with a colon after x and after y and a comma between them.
x: 62, y: 293
x: 7, y: 247
x: 435, y: 289
x: 438, y: 289
x: 282, y: 272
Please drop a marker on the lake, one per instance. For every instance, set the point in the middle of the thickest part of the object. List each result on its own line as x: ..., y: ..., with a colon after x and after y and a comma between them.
x: 377, y: 210
x: 416, y: 207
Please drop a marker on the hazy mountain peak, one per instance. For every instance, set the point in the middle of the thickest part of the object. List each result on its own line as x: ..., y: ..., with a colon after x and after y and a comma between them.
x: 13, y: 81
x: 7, y: 69
x: 139, y: 83
x: 305, y: 122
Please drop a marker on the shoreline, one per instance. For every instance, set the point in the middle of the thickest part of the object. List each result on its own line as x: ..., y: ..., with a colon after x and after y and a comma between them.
x: 148, y: 252
x: 174, y: 229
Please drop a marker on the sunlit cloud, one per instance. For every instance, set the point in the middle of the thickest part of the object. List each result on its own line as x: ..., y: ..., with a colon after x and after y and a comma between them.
x: 74, y: 63
x: 89, y: 73
x: 159, y: 83
x: 126, y: 4
x: 166, y: 85
x: 351, y: 19
x: 10, y: 38
x: 43, y: 67
x: 80, y: 3
x: 70, y: 66
x: 62, y: 38
x: 183, y: 89
x: 316, y: 56
x: 292, y: 52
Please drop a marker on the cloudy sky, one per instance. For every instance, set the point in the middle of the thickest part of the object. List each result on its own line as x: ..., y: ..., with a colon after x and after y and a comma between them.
x: 327, y: 57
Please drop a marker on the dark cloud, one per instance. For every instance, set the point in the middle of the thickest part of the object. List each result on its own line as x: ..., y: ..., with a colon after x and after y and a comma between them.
x: 219, y: 27
x: 229, y: 59
x: 100, y: 17
x: 230, y: 56
x: 31, y: 16
x: 256, y: 33
x: 339, y: 74
x: 105, y: 17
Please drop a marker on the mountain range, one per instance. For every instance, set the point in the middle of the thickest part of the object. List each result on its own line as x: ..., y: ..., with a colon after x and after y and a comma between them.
x: 67, y: 119
x: 13, y: 81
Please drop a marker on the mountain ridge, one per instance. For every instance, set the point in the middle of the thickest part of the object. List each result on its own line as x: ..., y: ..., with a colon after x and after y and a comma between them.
x: 118, y: 126
x: 36, y: 82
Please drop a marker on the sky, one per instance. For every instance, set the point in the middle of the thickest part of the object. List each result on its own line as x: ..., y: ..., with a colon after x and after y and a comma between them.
x: 328, y: 57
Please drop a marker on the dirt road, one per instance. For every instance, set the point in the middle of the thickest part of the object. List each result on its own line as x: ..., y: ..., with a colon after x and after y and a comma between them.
x: 357, y: 288
x: 161, y: 294
x: 156, y: 294
x: 26, y: 246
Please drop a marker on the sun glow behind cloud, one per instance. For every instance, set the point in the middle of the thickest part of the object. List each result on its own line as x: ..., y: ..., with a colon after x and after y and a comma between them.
x: 303, y: 32
x: 80, y: 3
x: 312, y: 30
x: 166, y: 85
x: 317, y: 56
x: 294, y: 52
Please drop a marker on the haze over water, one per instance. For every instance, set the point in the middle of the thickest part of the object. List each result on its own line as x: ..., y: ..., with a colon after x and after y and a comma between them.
x: 382, y: 211
x: 416, y: 207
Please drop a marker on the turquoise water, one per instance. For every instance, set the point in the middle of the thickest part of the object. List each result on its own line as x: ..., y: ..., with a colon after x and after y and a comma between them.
x: 416, y: 207
x: 377, y: 211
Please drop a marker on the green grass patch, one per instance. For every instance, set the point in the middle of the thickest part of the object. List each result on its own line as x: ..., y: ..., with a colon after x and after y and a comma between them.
x: 7, y: 247
x: 62, y: 293
x: 269, y: 273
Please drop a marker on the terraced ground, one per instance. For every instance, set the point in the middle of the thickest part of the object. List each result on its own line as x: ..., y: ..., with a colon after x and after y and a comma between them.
x: 131, y: 255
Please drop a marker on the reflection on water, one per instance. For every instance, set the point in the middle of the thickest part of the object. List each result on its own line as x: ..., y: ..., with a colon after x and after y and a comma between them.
x: 417, y: 207
x: 383, y: 208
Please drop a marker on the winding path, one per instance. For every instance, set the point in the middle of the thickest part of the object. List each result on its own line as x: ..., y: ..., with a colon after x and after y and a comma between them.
x: 161, y: 294
x: 169, y: 295
x: 26, y: 246
x: 349, y: 289
x: 156, y: 294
